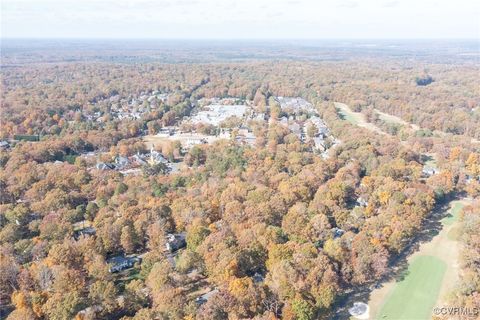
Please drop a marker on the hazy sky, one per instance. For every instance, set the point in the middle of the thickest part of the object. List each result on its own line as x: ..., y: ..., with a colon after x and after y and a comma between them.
x: 227, y: 19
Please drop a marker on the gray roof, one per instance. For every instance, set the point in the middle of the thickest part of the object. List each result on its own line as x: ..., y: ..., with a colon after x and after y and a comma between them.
x: 205, y: 297
x: 105, y: 166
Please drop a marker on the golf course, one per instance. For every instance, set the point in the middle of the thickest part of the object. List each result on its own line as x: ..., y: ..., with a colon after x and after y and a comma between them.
x: 431, y: 273
x: 355, y: 118
x: 415, y: 296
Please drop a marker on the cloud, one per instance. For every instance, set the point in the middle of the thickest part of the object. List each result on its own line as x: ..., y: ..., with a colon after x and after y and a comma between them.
x: 347, y: 4
x: 390, y: 4
x: 240, y: 18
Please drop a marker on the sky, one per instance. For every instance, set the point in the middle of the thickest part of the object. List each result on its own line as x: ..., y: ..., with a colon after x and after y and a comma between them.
x: 241, y: 19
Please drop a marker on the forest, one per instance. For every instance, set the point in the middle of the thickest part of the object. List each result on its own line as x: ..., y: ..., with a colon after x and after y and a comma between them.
x: 270, y: 230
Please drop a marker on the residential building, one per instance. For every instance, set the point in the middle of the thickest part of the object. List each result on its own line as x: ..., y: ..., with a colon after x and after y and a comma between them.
x: 429, y: 171
x: 205, y: 297
x: 120, y: 263
x: 175, y: 241
x: 105, y: 166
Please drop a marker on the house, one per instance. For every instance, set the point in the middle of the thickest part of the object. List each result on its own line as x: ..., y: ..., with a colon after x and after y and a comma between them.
x: 120, y: 263
x: 258, y: 278
x: 105, y: 166
x: 295, y: 128
x: 89, y: 312
x: 131, y: 172
x: 245, y: 137
x: 284, y: 121
x: 294, y: 103
x: 322, y: 129
x: 4, y: 145
x: 165, y: 132
x: 319, y: 144
x: 176, y: 241
x: 87, y: 231
x: 192, y: 141
x: 362, y: 202
x: 337, y: 232
x: 114, y: 98
x: 260, y: 117
x: 429, y: 171
x: 162, y: 96
x: 205, y: 297
x: 139, y: 160
x: 152, y: 158
x: 469, y: 179
x: 121, y: 162
x: 156, y: 157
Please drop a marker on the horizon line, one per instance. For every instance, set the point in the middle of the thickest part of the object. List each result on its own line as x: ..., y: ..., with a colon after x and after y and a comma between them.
x: 237, y: 39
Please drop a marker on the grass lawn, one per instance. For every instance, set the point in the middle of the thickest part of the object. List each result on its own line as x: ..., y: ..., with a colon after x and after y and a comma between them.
x: 355, y: 118
x: 390, y: 118
x: 414, y: 297
x: 348, y: 115
x: 452, y: 217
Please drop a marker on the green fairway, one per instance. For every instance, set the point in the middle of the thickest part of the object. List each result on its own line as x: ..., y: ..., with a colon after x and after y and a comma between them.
x: 348, y: 115
x: 355, y: 118
x: 414, y: 297
x: 453, y: 214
